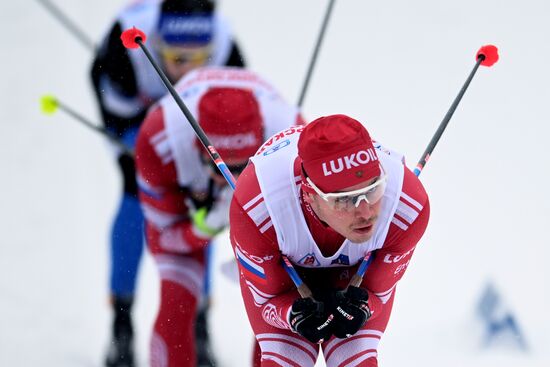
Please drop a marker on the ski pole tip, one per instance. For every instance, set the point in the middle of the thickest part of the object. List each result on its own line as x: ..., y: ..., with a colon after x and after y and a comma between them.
x: 48, y: 104
x: 130, y: 36
x: 489, y: 53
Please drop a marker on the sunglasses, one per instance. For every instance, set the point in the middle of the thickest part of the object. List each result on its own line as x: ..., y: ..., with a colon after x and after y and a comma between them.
x: 180, y: 56
x: 350, y: 200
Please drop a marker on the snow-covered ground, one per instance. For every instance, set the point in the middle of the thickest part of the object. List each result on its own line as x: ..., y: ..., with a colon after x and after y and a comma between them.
x: 396, y: 66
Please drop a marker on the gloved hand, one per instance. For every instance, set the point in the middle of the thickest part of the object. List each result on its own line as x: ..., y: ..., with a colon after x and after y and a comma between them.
x: 350, y: 310
x: 309, y: 319
x: 210, y: 222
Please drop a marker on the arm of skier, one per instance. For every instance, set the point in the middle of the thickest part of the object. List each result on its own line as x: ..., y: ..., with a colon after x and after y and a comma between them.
x: 115, y: 84
x: 164, y: 203
x: 265, y: 284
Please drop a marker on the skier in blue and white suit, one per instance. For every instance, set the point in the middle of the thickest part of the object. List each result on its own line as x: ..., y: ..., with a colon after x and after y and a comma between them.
x: 182, y: 35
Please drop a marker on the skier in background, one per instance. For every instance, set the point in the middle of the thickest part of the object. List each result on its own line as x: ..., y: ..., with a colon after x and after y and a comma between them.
x: 182, y: 35
x: 185, y: 198
x: 325, y: 196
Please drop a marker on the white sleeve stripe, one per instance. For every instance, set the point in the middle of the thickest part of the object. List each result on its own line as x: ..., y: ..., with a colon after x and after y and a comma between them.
x: 400, y: 224
x: 385, y: 299
x: 385, y: 296
x: 252, y: 202
x: 155, y: 139
x: 380, y: 294
x: 259, y: 301
x: 259, y: 213
x: 259, y: 291
x: 408, y: 213
x: 412, y: 201
x: 266, y: 226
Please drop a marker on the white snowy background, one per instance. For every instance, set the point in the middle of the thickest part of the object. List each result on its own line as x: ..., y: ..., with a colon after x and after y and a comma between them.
x: 396, y: 66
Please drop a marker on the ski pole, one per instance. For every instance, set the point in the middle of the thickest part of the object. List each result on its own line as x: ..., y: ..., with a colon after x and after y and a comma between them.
x: 486, y: 56
x: 315, y: 53
x: 68, y: 24
x: 50, y: 104
x: 134, y: 38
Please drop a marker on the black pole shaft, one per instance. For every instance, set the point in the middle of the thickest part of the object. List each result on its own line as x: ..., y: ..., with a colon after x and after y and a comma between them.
x: 314, y: 57
x: 94, y: 127
x: 358, y: 277
x: 446, y: 119
x: 68, y: 24
x: 303, y: 289
x: 194, y: 124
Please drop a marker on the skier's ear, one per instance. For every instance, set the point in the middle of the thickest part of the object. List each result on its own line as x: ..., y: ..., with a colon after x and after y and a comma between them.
x: 308, y: 197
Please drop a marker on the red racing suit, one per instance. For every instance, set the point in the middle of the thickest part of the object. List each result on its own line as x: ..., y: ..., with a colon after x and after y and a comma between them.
x: 267, y: 289
x: 171, y: 176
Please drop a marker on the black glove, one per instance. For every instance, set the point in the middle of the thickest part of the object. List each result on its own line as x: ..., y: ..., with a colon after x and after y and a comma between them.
x: 309, y: 319
x: 350, y: 310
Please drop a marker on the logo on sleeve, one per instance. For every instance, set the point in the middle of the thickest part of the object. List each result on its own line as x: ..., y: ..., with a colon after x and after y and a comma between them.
x: 390, y: 259
x: 249, y: 266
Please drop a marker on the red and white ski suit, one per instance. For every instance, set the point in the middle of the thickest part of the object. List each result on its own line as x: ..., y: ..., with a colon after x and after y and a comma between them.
x: 169, y: 173
x: 268, y: 218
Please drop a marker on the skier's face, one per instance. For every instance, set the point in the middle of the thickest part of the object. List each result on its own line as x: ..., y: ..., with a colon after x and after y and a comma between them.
x: 178, y: 61
x: 357, y: 223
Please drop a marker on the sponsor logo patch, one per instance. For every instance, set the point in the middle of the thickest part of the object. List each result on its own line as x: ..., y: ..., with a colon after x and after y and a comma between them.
x: 309, y: 260
x: 347, y: 162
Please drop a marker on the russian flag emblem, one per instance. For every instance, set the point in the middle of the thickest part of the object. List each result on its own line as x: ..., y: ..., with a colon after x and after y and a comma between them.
x: 254, y: 270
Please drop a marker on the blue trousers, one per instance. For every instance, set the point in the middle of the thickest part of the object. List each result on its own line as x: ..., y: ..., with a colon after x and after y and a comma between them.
x: 126, y: 246
x: 127, y: 229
